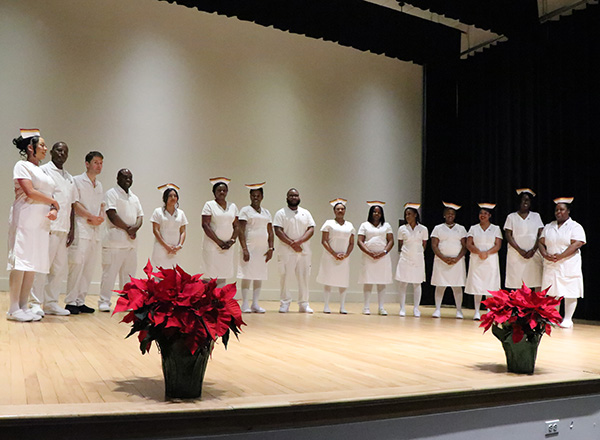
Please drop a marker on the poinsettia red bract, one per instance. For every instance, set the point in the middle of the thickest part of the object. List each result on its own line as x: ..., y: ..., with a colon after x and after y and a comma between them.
x: 171, y: 304
x: 525, y: 312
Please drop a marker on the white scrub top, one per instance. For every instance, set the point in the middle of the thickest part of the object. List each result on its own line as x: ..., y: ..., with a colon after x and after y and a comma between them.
x: 170, y: 225
x: 29, y: 228
x: 450, y: 245
x: 375, y: 271
x: 484, y: 275
x: 411, y: 264
x: 564, y: 276
x: 333, y: 272
x: 218, y: 263
x: 520, y: 270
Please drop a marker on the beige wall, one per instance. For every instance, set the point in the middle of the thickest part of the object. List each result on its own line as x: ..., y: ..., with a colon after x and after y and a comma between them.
x: 178, y: 95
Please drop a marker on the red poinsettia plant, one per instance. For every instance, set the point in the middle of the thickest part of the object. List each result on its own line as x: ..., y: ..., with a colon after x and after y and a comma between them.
x: 524, y: 313
x: 172, y: 304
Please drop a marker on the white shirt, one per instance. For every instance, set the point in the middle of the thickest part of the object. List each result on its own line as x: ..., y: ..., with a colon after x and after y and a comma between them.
x: 294, y: 224
x: 65, y: 193
x: 128, y: 207
x: 91, y: 197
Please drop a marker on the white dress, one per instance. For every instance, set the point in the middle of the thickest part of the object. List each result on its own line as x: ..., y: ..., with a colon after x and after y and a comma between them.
x: 564, y: 276
x: 257, y: 242
x: 484, y: 275
x: 411, y: 264
x: 450, y: 245
x: 333, y: 272
x: 170, y: 225
x: 218, y: 263
x: 375, y: 271
x: 29, y: 228
x: 520, y: 270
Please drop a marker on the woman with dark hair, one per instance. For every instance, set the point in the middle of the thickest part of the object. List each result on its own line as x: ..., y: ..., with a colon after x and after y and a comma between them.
x: 169, y: 228
x: 523, y: 229
x: 483, y: 241
x: 29, y: 224
x: 255, y: 227
x: 559, y: 245
x: 337, y: 237
x: 220, y: 224
x: 412, y: 240
x: 449, y: 244
x: 375, y: 240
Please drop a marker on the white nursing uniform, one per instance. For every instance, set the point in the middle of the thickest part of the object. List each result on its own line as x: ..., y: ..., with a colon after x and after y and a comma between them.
x: 83, y: 253
x: 218, y: 263
x: 257, y: 243
x: 46, y: 288
x: 333, y: 272
x: 521, y: 270
x: 411, y: 264
x: 484, y: 275
x: 29, y: 228
x: 564, y: 276
x: 450, y: 245
x: 375, y: 271
x: 170, y: 225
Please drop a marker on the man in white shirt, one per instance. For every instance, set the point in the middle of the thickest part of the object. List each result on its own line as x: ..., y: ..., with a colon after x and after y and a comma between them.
x: 294, y: 226
x: 46, y: 287
x: 89, y: 215
x: 119, y: 247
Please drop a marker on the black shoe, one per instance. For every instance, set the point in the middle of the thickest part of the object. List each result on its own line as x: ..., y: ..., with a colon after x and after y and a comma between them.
x: 73, y: 309
x: 86, y: 309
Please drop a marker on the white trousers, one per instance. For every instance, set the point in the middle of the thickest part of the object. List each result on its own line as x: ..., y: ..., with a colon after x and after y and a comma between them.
x: 116, y: 261
x: 297, y: 265
x: 82, y: 259
x: 46, y: 287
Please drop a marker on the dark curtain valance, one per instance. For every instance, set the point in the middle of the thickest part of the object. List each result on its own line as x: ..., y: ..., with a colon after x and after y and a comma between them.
x: 354, y: 23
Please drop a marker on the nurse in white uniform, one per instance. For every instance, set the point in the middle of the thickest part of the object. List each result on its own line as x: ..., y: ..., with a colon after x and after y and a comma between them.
x: 559, y: 244
x: 523, y: 229
x: 337, y: 237
x: 375, y: 240
x: 169, y: 228
x: 219, y: 222
x: 29, y: 224
x: 255, y: 226
x: 483, y: 241
x: 449, y: 244
x: 412, y: 240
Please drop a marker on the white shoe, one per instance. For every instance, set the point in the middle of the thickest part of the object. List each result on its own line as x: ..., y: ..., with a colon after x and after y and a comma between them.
x: 37, y: 310
x: 366, y: 311
x: 476, y: 316
x: 246, y: 309
x: 382, y: 311
x: 326, y: 309
x: 19, y: 316
x: 567, y: 323
x: 343, y: 312
x: 55, y: 309
x: 305, y: 309
x: 459, y: 314
x: 436, y: 314
x: 402, y: 312
x: 258, y: 309
x: 104, y: 307
x: 416, y: 312
x: 283, y: 308
x: 34, y: 316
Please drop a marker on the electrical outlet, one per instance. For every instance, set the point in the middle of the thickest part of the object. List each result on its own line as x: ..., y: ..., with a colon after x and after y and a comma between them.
x: 551, y: 428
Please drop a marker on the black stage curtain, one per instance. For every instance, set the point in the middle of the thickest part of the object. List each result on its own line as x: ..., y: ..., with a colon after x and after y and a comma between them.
x: 527, y: 114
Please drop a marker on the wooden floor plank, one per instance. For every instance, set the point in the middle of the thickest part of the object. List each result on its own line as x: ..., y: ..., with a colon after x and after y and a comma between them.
x: 83, y: 364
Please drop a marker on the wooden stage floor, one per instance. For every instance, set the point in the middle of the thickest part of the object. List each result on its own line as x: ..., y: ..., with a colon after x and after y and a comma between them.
x: 82, y: 366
